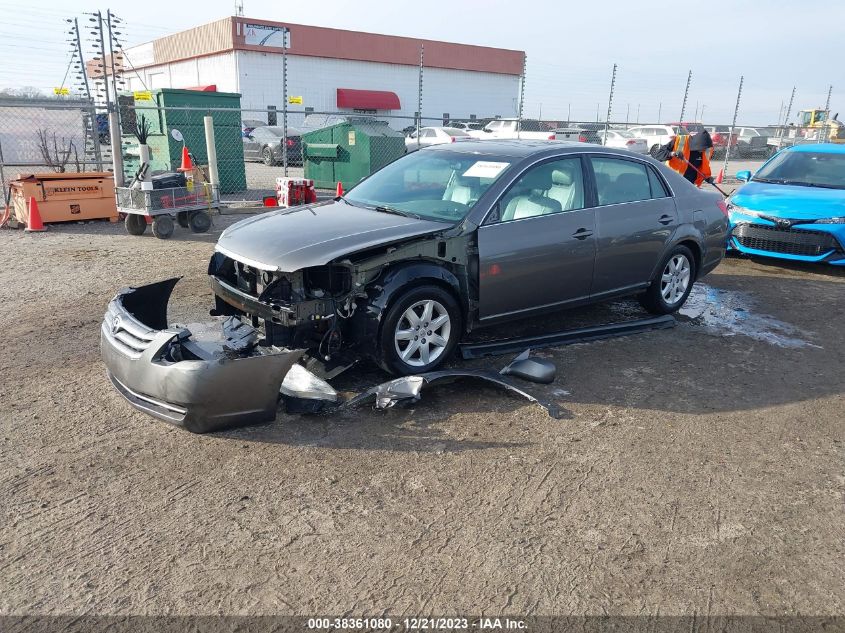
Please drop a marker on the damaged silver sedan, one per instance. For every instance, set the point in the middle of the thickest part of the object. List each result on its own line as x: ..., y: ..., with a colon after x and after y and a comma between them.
x: 399, y: 270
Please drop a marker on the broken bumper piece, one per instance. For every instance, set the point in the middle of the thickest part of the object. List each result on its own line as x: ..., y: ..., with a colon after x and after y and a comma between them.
x: 205, y: 383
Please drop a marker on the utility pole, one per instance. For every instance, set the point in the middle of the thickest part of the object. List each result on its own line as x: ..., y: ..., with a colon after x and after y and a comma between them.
x: 638, y: 114
x: 789, y: 108
x: 733, y: 125
x: 686, y: 94
x: 568, y: 113
x: 98, y: 33
x: 109, y: 16
x: 627, y: 114
x: 81, y: 58
x: 659, y: 111
x: 823, y: 130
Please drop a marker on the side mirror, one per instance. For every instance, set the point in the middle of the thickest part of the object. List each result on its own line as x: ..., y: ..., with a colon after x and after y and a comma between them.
x: 743, y: 176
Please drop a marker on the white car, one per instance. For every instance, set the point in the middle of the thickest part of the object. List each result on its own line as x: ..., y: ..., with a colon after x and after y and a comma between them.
x: 656, y: 135
x: 624, y: 139
x: 434, y: 136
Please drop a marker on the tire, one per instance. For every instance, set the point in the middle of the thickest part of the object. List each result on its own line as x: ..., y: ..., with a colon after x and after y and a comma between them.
x: 672, y: 283
x: 199, y: 221
x: 182, y: 219
x: 653, y: 150
x: 267, y: 157
x: 417, y: 301
x: 135, y: 224
x: 163, y: 227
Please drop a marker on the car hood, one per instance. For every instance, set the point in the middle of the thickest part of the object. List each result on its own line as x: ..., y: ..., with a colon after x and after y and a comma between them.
x: 290, y: 239
x: 791, y: 201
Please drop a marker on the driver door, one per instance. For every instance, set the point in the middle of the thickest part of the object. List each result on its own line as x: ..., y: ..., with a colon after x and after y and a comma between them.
x: 536, y: 248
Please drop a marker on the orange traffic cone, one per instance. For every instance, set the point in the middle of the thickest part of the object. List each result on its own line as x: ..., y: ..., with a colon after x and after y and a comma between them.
x: 33, y: 222
x: 720, y: 177
x: 339, y: 192
x: 187, y: 165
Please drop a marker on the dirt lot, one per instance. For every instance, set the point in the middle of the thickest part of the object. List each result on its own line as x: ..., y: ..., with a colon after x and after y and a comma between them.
x: 699, y: 470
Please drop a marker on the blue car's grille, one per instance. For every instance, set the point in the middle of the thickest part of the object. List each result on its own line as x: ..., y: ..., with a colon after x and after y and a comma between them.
x: 786, y: 241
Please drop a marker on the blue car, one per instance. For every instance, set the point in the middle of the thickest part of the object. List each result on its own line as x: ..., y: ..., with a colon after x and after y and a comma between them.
x: 793, y: 207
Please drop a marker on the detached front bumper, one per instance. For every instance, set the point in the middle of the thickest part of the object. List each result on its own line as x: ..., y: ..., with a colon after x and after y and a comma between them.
x: 203, y: 384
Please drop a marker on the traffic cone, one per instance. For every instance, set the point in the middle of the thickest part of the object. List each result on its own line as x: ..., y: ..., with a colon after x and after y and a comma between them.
x: 33, y: 222
x: 720, y: 177
x: 339, y: 193
x: 187, y: 165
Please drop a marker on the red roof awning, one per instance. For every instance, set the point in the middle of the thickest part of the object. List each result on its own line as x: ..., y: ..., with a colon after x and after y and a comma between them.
x: 367, y: 99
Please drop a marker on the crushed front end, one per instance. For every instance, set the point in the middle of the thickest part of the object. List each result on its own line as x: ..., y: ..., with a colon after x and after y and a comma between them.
x: 204, y: 383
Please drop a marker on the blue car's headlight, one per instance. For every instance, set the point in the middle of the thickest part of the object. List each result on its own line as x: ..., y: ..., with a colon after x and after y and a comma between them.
x: 831, y: 221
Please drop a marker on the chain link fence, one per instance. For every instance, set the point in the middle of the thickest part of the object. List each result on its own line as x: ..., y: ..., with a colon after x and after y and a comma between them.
x: 256, y: 147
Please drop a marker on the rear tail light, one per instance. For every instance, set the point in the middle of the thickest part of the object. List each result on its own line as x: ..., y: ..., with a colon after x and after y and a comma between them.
x: 290, y: 142
x: 631, y: 142
x: 453, y: 139
x: 551, y: 137
x: 582, y: 138
x: 723, y: 207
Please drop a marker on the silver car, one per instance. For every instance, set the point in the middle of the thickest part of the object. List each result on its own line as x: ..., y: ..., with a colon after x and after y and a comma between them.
x: 434, y: 245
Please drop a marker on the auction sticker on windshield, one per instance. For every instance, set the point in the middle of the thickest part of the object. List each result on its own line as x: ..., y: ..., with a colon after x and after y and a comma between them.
x: 485, y: 169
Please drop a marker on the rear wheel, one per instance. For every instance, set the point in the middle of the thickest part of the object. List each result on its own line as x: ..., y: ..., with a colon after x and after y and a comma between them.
x: 163, y: 227
x: 653, y: 150
x: 267, y: 157
x: 420, y: 331
x: 199, y: 221
x: 182, y: 219
x: 672, y: 284
x: 135, y: 224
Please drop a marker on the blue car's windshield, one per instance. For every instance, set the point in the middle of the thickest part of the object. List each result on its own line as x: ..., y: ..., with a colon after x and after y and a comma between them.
x: 808, y: 169
x: 433, y: 185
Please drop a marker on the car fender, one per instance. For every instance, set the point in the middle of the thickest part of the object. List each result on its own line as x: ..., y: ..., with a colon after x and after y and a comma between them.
x: 393, y: 280
x: 684, y: 233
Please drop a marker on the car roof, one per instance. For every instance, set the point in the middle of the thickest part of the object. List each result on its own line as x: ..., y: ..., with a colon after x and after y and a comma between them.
x: 519, y: 148
x: 821, y: 148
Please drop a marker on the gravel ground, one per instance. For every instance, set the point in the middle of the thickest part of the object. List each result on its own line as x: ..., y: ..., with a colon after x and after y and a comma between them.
x: 699, y: 469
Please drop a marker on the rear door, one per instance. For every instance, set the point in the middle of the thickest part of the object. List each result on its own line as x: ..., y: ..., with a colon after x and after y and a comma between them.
x: 537, y: 246
x: 635, y: 218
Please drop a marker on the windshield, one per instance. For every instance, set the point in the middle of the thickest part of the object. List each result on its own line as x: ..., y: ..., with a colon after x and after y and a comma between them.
x: 432, y: 185
x: 809, y: 169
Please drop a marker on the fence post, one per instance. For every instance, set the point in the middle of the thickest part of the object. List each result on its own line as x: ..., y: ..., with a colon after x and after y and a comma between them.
x: 116, y: 149
x: 420, y: 93
x: 733, y: 125
x: 823, y: 130
x: 3, y: 176
x: 686, y: 94
x: 211, y: 151
x: 521, y: 96
x: 609, y: 105
x: 285, y: 32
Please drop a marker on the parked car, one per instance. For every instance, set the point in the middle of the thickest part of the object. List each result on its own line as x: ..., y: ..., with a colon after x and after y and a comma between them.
x: 434, y: 136
x: 656, y: 135
x: 623, y: 139
x: 265, y: 144
x: 587, y: 132
x: 793, y: 207
x: 513, y: 128
x: 722, y: 139
x: 457, y: 236
x: 467, y: 126
x: 693, y: 127
x: 751, y: 141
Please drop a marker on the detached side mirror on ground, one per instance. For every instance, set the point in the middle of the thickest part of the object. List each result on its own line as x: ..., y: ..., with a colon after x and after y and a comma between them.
x: 743, y: 176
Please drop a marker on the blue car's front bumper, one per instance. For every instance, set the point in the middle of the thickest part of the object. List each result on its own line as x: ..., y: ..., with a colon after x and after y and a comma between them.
x: 799, y: 242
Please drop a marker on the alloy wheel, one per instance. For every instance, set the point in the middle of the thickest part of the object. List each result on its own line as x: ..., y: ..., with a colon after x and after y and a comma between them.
x: 675, y: 279
x: 422, y: 333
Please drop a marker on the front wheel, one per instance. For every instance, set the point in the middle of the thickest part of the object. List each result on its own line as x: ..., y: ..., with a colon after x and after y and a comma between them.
x: 420, y: 331
x: 163, y: 227
x: 267, y: 157
x: 199, y: 221
x: 654, y: 149
x: 671, y: 286
x: 135, y: 224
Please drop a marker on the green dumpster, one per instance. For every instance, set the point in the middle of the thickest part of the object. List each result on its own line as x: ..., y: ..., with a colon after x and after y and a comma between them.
x: 347, y: 152
x: 183, y: 110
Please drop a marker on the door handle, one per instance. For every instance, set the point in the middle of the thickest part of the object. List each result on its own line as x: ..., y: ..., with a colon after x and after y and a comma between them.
x: 582, y: 234
x: 666, y: 219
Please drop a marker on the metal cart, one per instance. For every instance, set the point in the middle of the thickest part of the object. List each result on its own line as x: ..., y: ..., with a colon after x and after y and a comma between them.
x: 190, y: 207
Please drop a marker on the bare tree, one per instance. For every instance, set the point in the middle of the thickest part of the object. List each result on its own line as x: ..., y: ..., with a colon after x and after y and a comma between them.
x: 24, y: 92
x: 56, y: 156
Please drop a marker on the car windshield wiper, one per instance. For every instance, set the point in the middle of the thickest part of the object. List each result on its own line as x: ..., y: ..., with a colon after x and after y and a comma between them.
x: 383, y: 209
x: 775, y: 181
x: 800, y: 183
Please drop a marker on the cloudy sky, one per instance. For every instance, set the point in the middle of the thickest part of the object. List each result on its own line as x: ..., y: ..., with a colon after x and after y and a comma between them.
x: 571, y: 47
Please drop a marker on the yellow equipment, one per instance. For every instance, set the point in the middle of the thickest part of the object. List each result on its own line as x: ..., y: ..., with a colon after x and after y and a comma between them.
x: 818, y: 121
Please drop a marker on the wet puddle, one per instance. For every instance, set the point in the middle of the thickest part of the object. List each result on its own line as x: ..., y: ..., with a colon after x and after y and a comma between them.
x: 731, y: 313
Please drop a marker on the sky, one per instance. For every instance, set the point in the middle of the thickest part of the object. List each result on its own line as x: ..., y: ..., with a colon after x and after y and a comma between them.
x: 571, y: 47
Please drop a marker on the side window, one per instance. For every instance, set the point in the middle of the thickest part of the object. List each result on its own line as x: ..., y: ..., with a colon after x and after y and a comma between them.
x: 658, y: 189
x: 552, y: 187
x: 619, y: 181
x: 427, y: 134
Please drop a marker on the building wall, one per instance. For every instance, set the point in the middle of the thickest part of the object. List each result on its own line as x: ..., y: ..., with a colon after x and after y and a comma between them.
x: 316, y: 79
x: 217, y: 69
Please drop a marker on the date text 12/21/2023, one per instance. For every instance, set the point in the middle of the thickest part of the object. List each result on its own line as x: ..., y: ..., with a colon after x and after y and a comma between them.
x: 415, y: 624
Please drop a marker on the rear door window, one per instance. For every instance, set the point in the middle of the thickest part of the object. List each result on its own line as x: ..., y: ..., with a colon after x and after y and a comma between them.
x: 619, y: 181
